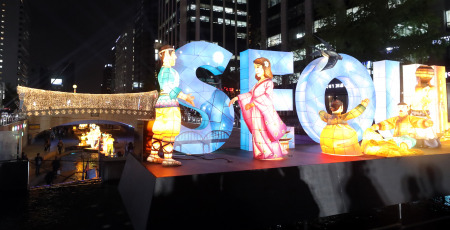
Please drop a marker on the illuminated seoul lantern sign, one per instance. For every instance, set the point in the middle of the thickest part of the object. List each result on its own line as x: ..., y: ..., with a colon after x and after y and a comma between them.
x: 217, y: 117
x: 310, y: 93
x: 211, y: 103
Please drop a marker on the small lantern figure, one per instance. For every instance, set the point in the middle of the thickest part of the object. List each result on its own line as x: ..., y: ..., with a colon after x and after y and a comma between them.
x: 339, y: 138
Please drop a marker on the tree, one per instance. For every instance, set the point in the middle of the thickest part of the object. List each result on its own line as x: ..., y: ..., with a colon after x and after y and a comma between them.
x: 401, y: 30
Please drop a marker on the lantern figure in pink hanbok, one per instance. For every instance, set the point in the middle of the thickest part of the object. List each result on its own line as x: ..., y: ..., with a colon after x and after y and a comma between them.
x: 260, y: 115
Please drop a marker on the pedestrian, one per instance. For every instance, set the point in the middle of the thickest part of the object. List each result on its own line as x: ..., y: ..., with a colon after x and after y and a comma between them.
x: 38, y: 162
x: 56, y: 165
x: 60, y: 146
x: 49, y: 177
x: 130, y: 147
x: 47, y: 145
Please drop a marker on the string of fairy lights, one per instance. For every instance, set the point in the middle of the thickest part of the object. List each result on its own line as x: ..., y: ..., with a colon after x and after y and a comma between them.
x: 44, y: 102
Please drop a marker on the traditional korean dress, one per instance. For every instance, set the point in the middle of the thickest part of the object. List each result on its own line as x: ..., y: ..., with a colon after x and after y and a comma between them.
x: 168, y: 117
x: 263, y: 121
x: 339, y: 138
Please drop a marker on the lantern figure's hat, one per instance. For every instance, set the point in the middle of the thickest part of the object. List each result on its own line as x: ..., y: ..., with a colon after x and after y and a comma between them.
x: 425, y: 73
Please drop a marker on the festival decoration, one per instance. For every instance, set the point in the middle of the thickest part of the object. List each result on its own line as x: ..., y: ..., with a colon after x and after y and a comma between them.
x: 374, y: 144
x: 338, y: 138
x: 386, y: 80
x: 217, y: 118
x: 425, y: 96
x: 425, y: 89
x: 110, y: 145
x: 37, y: 102
x: 260, y: 115
x: 405, y: 126
x: 281, y: 63
x: 310, y: 93
x: 168, y: 118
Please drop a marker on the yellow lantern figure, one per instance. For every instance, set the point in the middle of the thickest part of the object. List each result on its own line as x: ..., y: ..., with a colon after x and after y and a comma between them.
x: 110, y: 145
x: 83, y: 140
x: 168, y: 118
x: 404, y: 126
x: 338, y: 138
x: 104, y: 145
x: 374, y: 144
x: 425, y: 99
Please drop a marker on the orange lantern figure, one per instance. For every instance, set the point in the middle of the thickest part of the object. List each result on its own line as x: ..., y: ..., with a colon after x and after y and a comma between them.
x: 338, y: 138
x: 167, y: 123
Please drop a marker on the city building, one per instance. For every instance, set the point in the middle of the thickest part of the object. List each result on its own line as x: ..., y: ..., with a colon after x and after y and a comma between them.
x: 123, y: 65
x: 107, y: 83
x: 14, y: 42
x: 134, y: 52
x: 385, y: 29
x: 220, y: 22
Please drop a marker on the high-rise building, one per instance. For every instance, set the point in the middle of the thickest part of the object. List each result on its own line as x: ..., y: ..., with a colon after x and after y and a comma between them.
x: 124, y: 61
x: 134, y: 52
x: 220, y: 22
x: 14, y: 42
x: 107, y: 83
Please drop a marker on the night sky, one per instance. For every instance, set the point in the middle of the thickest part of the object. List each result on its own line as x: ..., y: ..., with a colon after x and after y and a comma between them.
x: 81, y: 31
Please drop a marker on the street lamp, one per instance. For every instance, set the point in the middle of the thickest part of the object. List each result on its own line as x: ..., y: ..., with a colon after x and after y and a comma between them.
x: 74, y: 88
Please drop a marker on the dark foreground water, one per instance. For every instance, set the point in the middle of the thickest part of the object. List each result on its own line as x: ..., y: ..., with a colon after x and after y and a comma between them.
x: 95, y: 205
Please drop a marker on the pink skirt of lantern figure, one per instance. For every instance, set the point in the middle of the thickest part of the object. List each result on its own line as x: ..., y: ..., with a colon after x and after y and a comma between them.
x: 263, y: 122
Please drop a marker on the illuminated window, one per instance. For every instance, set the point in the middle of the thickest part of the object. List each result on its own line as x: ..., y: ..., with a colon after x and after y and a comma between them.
x: 274, y: 40
x: 394, y: 3
x: 217, y: 9
x: 404, y: 30
x: 241, y: 1
x: 228, y: 10
x: 193, y: 7
x: 319, y: 24
x: 241, y: 13
x: 241, y: 24
x: 271, y: 3
x: 56, y: 81
x: 299, y: 54
x: 300, y: 35
x: 447, y: 18
x: 137, y: 84
x: 241, y: 35
x: 352, y: 13
x: 204, y: 18
x: 220, y: 20
x: 192, y: 19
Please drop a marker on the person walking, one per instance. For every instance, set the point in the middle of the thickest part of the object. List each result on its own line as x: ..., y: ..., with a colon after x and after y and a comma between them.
x: 60, y: 146
x: 38, y: 162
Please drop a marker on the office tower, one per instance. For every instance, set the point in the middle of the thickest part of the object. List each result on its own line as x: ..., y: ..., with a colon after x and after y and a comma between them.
x: 14, y: 42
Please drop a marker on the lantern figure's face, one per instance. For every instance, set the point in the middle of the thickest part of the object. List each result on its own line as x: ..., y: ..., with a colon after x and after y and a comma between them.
x: 259, y: 71
x: 169, y: 59
x: 403, y: 110
x: 341, y: 108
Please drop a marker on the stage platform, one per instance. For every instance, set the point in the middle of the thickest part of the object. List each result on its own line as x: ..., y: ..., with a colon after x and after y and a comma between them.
x: 230, y: 190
